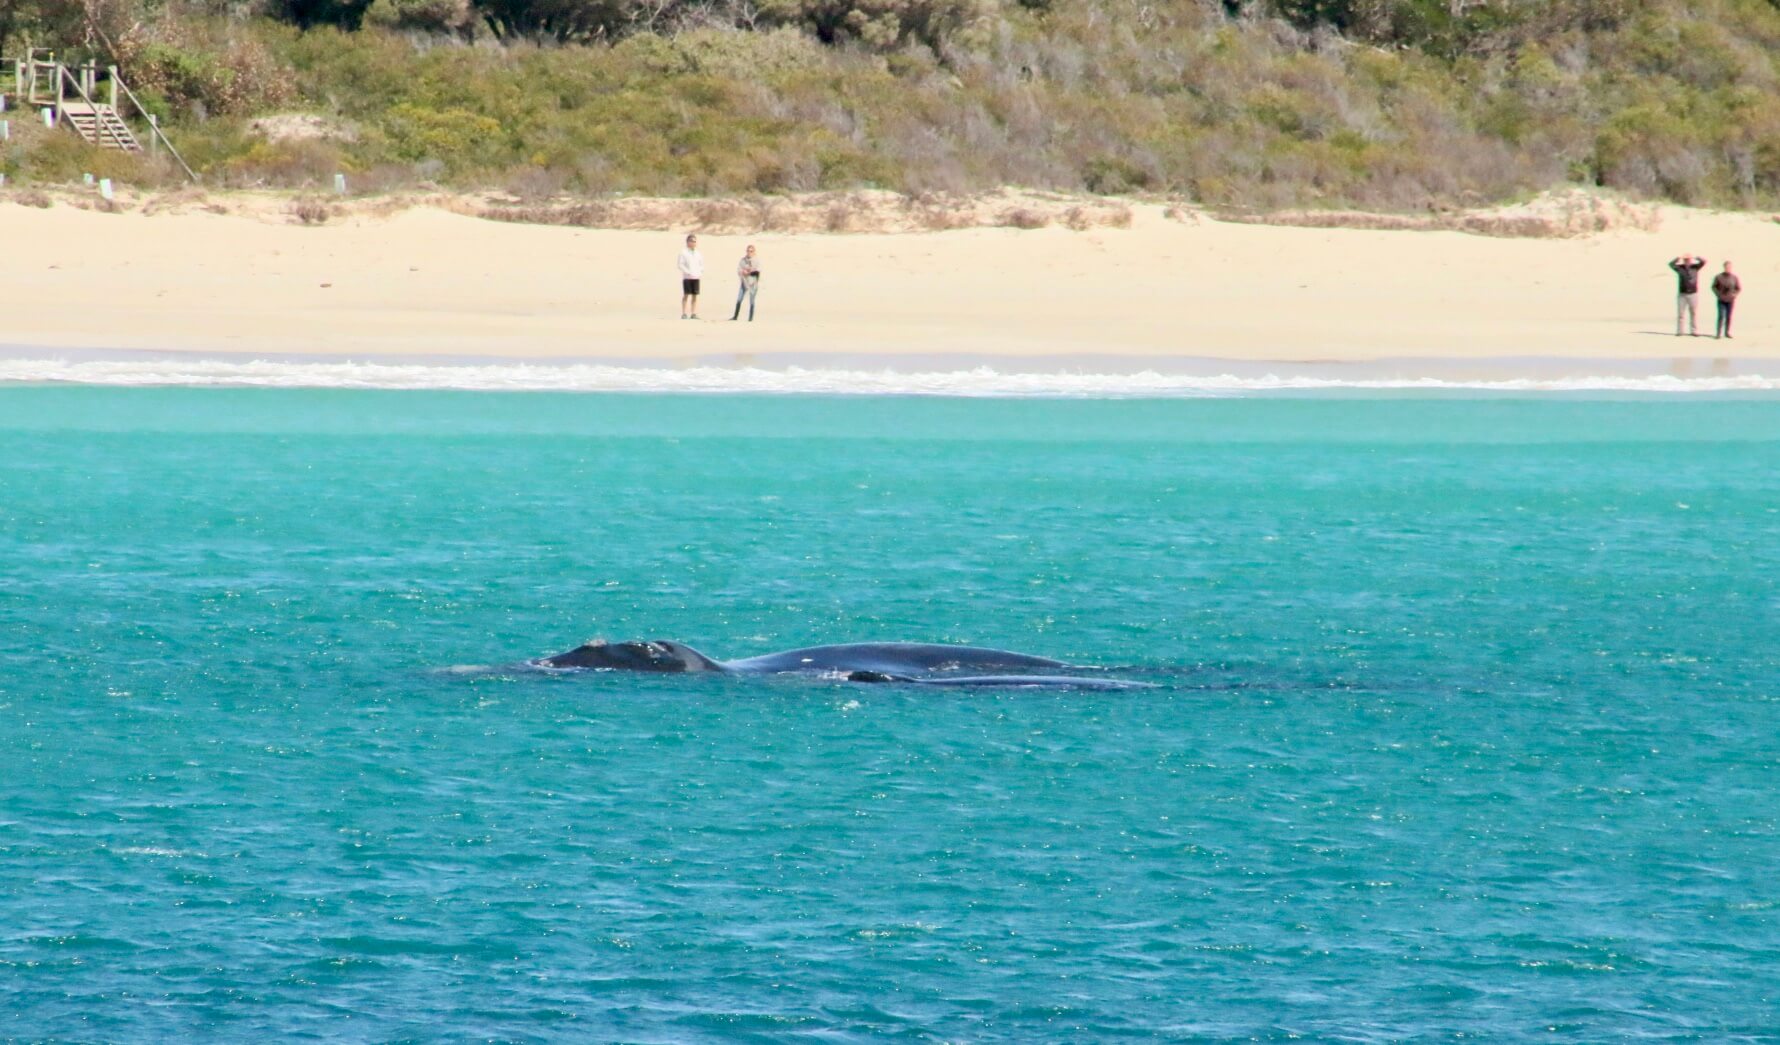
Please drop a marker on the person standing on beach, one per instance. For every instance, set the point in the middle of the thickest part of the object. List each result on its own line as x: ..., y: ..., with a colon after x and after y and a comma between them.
x: 692, y: 269
x: 1687, y: 297
x: 748, y: 270
x: 1725, y: 287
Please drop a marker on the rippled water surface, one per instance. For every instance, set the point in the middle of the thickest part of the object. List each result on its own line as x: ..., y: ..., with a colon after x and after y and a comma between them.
x: 1467, y: 723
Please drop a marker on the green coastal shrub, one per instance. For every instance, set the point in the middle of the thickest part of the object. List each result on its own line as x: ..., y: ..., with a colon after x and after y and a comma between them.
x: 198, y: 70
x: 424, y: 16
x: 284, y: 164
x: 458, y: 138
x: 64, y: 158
x: 886, y: 24
x: 1392, y: 104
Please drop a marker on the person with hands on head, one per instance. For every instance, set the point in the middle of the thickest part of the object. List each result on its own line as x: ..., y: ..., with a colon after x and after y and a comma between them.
x: 1687, y: 292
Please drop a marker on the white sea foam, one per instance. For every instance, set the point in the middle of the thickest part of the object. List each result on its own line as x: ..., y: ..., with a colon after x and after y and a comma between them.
x: 980, y: 381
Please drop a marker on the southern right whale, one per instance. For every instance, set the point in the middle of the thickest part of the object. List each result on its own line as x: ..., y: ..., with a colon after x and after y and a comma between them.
x: 919, y: 663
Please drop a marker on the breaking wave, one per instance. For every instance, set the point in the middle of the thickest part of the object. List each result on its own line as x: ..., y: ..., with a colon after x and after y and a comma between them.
x: 980, y: 381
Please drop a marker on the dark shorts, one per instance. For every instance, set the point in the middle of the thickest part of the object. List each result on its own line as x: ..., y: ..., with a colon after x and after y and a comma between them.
x: 689, y: 286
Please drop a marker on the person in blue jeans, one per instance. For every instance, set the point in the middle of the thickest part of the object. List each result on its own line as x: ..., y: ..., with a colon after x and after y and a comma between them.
x: 1725, y: 287
x: 748, y: 270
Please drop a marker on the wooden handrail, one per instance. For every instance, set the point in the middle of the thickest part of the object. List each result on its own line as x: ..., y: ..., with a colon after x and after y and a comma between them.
x: 154, y: 127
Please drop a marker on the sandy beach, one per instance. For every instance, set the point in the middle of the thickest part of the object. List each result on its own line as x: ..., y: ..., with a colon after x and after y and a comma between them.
x: 429, y: 282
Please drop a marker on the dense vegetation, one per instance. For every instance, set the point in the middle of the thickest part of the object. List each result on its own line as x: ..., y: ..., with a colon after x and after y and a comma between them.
x: 1398, y: 104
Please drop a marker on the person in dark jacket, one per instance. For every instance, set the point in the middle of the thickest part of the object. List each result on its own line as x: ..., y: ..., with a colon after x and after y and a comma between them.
x: 1687, y: 298
x: 1725, y: 287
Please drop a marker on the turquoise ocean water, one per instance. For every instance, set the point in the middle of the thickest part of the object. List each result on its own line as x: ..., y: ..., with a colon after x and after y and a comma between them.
x: 1468, y: 724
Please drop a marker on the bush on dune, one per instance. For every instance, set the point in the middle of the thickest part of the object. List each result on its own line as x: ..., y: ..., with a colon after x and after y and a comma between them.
x: 1386, y: 104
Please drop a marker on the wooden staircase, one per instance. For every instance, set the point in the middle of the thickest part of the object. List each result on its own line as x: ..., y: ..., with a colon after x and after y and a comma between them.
x: 88, y: 101
x: 101, y: 125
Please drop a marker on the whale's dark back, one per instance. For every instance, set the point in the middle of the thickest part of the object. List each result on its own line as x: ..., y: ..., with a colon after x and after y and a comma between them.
x: 893, y: 658
x: 667, y: 657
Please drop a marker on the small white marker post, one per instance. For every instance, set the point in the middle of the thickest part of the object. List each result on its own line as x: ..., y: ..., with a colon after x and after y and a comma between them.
x: 5, y: 130
x: 340, y: 184
x: 86, y: 179
x: 105, y: 188
x: 49, y: 116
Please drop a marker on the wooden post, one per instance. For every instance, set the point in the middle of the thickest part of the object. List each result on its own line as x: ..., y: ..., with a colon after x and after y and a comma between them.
x: 154, y: 134
x: 111, y: 70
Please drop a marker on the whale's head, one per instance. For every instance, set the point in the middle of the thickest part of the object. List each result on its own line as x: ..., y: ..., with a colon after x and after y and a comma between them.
x: 662, y: 656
